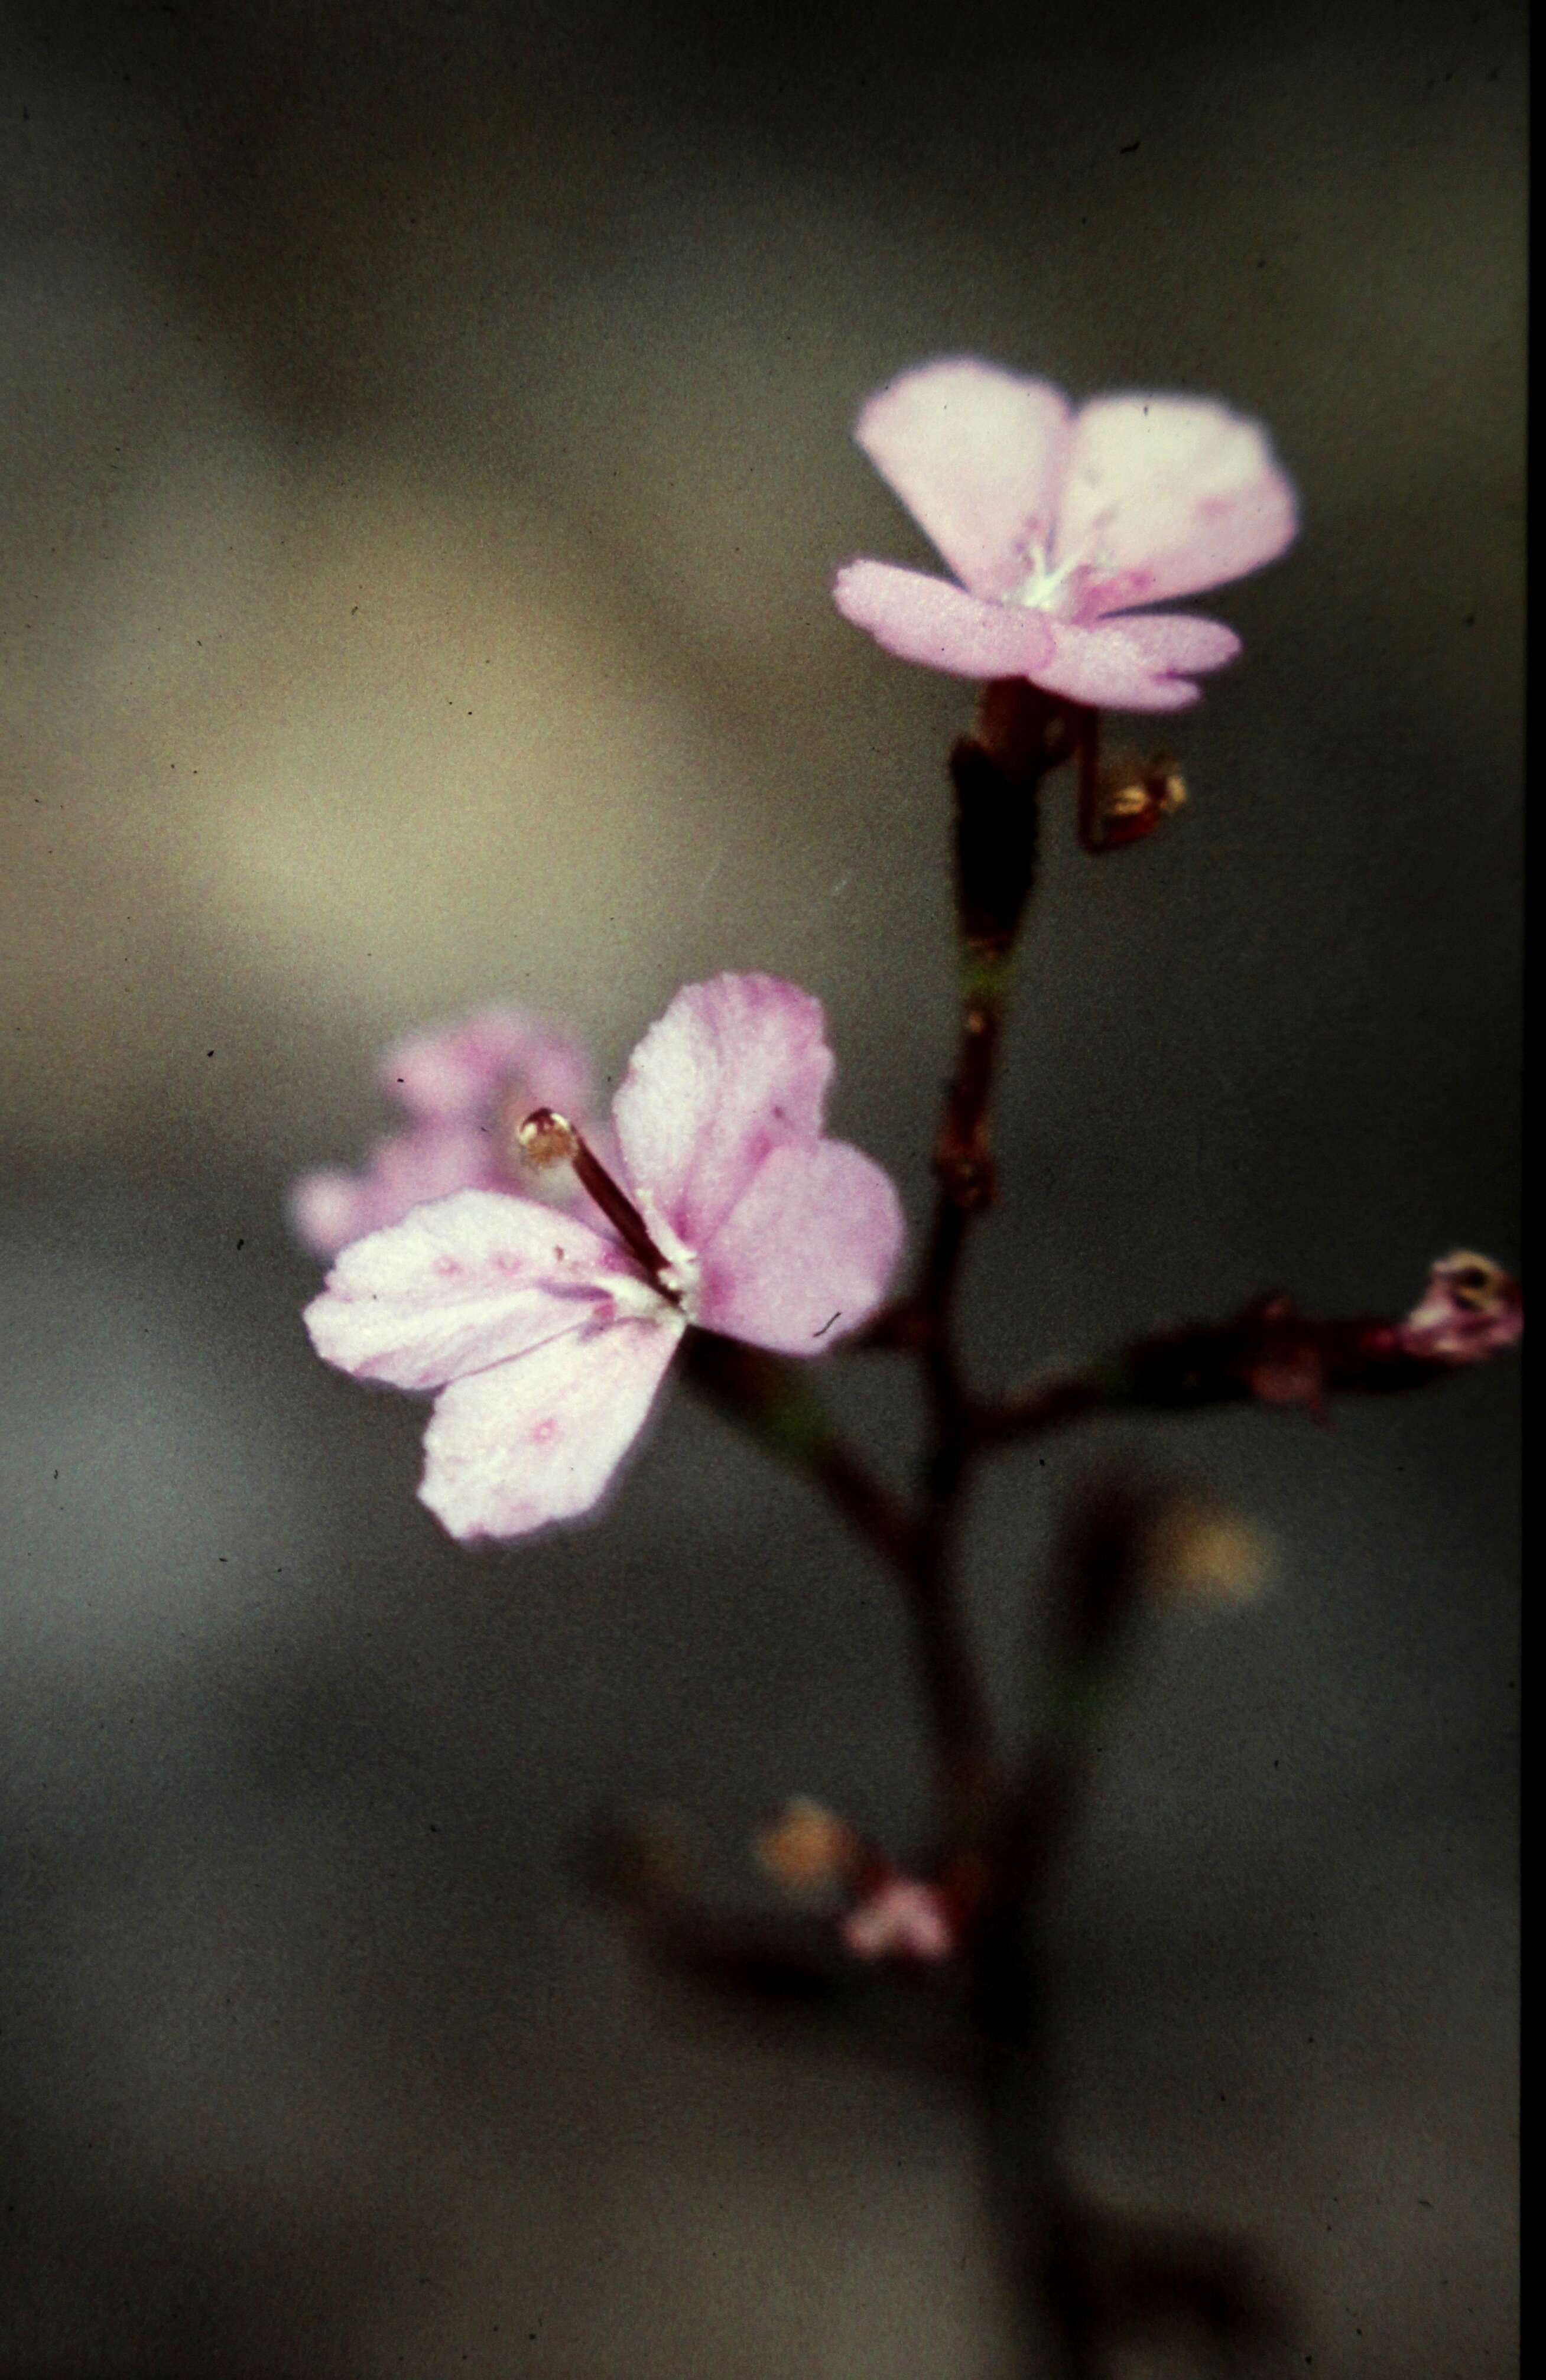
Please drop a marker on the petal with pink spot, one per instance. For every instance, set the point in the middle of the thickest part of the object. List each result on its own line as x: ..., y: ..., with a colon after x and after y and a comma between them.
x: 466, y: 1282
x: 737, y: 1067
x: 1166, y: 495
x: 540, y: 1439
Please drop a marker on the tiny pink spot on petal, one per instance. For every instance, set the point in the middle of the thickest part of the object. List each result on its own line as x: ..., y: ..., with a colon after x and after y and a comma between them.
x: 545, y: 1432
x: 506, y: 1261
x: 448, y: 1268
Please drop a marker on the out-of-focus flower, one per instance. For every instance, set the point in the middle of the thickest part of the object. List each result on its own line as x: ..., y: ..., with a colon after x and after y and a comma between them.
x: 903, y: 1919
x: 1470, y: 1309
x: 465, y: 1087
x: 546, y: 1336
x: 1056, y: 523
x: 1197, y: 1551
x: 808, y: 1848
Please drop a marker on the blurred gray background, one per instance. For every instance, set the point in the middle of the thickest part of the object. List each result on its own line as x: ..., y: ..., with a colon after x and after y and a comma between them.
x: 426, y: 449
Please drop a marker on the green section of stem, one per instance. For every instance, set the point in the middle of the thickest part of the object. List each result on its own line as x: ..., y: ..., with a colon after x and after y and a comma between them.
x: 985, y: 975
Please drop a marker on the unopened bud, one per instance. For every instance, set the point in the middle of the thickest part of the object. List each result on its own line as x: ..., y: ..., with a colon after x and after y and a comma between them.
x: 547, y: 1138
x: 1200, y: 1552
x: 1470, y: 1309
x: 806, y: 1848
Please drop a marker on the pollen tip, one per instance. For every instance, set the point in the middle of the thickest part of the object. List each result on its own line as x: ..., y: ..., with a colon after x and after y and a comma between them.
x: 547, y: 1138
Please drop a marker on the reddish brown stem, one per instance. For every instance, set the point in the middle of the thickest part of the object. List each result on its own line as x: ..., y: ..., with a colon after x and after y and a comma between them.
x: 1269, y: 1354
x: 996, y: 776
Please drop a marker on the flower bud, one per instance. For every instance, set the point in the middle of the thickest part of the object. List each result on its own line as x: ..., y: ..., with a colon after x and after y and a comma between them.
x: 1470, y: 1310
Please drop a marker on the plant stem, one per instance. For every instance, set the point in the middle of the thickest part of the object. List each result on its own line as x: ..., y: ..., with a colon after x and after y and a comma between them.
x: 997, y: 777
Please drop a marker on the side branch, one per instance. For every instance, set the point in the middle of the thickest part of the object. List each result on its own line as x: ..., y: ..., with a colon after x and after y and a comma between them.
x: 1270, y: 1354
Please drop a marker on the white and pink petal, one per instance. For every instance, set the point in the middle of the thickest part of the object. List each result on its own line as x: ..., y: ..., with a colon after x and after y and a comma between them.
x: 1165, y: 496
x: 977, y: 455
x: 1135, y: 662
x: 332, y: 1208
x: 540, y: 1439
x: 807, y: 1254
x: 457, y: 1071
x: 466, y: 1282
x: 929, y: 621
x: 737, y: 1067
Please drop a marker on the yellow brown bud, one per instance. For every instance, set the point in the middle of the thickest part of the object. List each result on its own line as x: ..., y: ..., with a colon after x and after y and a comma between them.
x: 806, y: 1847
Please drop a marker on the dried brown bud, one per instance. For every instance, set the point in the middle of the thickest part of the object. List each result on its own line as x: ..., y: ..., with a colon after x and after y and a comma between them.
x: 1128, y: 798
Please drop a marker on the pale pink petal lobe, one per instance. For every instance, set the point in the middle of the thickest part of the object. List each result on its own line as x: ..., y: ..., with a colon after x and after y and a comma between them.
x: 1136, y: 663
x: 326, y: 1208
x: 1166, y: 495
x: 976, y: 455
x: 538, y: 1440
x: 1177, y: 640
x: 735, y: 1067
x: 455, y: 1071
x: 927, y: 619
x: 805, y: 1255
x: 469, y: 1282
x: 330, y: 1209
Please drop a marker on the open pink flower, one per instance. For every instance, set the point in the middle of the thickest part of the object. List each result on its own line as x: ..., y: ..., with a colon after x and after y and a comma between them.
x: 546, y: 1338
x: 903, y: 1919
x: 1055, y: 523
x: 466, y: 1086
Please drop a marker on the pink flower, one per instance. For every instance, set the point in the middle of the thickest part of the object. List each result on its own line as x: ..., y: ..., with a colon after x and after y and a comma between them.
x: 902, y: 1919
x: 546, y: 1338
x: 1056, y: 523
x: 465, y: 1087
